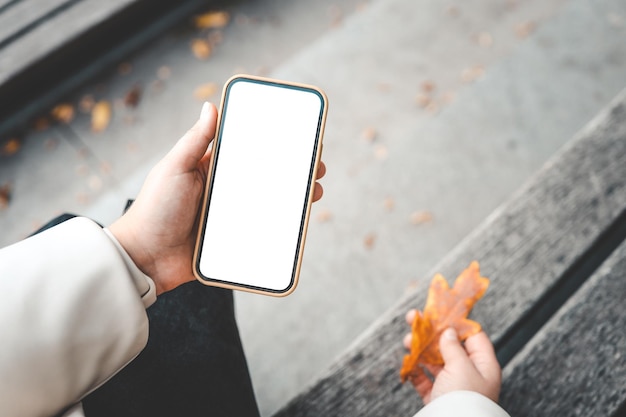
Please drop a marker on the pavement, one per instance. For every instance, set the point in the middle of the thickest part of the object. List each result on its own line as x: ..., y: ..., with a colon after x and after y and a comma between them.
x: 438, y: 113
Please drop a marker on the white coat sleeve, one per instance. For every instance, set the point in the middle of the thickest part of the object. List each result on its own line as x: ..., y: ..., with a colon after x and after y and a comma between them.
x: 72, y: 313
x: 462, y: 403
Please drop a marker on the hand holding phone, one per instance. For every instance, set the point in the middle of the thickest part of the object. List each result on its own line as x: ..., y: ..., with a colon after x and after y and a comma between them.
x: 262, y: 175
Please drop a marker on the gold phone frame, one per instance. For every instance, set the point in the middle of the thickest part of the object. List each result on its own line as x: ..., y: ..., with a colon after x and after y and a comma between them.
x: 205, y: 200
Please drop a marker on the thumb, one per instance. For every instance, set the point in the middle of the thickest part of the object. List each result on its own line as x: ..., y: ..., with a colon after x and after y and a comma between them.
x: 192, y: 147
x: 451, y: 349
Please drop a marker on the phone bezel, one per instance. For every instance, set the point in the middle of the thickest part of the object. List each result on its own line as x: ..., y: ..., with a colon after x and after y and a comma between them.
x: 307, y: 203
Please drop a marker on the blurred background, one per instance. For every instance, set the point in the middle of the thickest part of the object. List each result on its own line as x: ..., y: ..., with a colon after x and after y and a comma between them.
x: 439, y: 111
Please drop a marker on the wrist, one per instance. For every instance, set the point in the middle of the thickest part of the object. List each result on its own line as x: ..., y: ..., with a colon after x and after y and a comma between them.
x: 129, y: 242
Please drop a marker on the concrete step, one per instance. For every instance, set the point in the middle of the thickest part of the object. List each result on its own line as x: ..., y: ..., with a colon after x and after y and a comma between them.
x: 445, y: 167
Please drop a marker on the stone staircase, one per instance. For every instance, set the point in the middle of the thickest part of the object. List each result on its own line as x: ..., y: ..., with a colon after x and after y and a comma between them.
x: 438, y: 112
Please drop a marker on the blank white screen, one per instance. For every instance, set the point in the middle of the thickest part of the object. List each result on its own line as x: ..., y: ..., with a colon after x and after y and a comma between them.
x: 260, y: 184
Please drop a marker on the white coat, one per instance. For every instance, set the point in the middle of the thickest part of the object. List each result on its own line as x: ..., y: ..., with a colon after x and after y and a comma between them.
x: 72, y: 314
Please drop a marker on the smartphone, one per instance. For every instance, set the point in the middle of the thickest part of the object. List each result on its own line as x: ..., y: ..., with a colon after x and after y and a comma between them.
x: 262, y: 173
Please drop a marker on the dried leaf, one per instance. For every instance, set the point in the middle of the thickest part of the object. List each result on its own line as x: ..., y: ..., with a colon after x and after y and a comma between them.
x: 369, y: 134
x: 447, y: 97
x: 421, y: 217
x: 105, y: 167
x: 51, y: 144
x: 41, y: 124
x: 82, y: 198
x: 389, y: 203
x: 95, y: 183
x: 381, y: 152
x: 81, y: 170
x: 157, y: 86
x: 428, y: 86
x: 524, y: 29
x: 86, y: 103
x: 132, y: 97
x: 445, y: 307
x: 423, y: 100
x: 452, y: 11
x: 336, y: 15
x: 205, y: 91
x: 384, y: 87
x: 201, y: 48
x: 100, y: 116
x: 212, y: 20
x: 472, y: 74
x: 485, y: 40
x: 63, y: 112
x: 125, y: 68
x: 242, y: 20
x: 324, y: 216
x: 5, y: 196
x: 11, y: 147
x: 369, y: 240
x: 215, y: 37
x: 164, y: 72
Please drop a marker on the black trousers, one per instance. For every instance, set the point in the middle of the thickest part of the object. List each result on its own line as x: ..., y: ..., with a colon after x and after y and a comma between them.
x: 193, y: 364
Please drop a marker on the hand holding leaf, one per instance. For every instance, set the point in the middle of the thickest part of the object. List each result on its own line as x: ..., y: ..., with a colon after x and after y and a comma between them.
x: 445, y: 307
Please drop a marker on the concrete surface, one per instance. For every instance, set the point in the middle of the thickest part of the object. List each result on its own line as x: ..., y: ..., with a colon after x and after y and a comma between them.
x: 511, y: 82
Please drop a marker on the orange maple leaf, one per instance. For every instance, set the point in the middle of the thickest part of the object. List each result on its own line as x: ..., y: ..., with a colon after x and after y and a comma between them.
x: 445, y: 307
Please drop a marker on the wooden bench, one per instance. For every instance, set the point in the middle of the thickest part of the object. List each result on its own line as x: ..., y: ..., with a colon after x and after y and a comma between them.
x: 556, y: 257
x: 50, y: 47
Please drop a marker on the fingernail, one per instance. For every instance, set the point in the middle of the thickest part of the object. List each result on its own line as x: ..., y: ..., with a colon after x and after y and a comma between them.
x: 450, y: 334
x: 205, y: 110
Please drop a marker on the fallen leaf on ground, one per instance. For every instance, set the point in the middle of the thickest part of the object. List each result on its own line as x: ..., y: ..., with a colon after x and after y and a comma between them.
x: 41, y: 124
x: 124, y: 68
x: 369, y: 240
x: 324, y: 215
x: 215, y: 37
x: 383, y: 87
x: 445, y: 307
x: 204, y: 91
x: 51, y: 144
x: 336, y: 15
x: 360, y: 7
x: 381, y: 152
x: 201, y: 48
x: 242, y: 20
x: 472, y: 74
x: 212, y: 20
x: 81, y: 170
x: 423, y: 100
x: 428, y: 86
x: 105, y: 168
x: 63, y: 112
x: 522, y: 30
x: 5, y: 196
x: 369, y: 134
x: 95, y: 183
x: 11, y: 147
x: 100, y: 116
x: 484, y: 39
x: 447, y: 97
x: 164, y: 72
x: 132, y: 97
x: 432, y: 107
x: 421, y: 217
x: 452, y: 11
x: 86, y: 103
x: 389, y: 203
